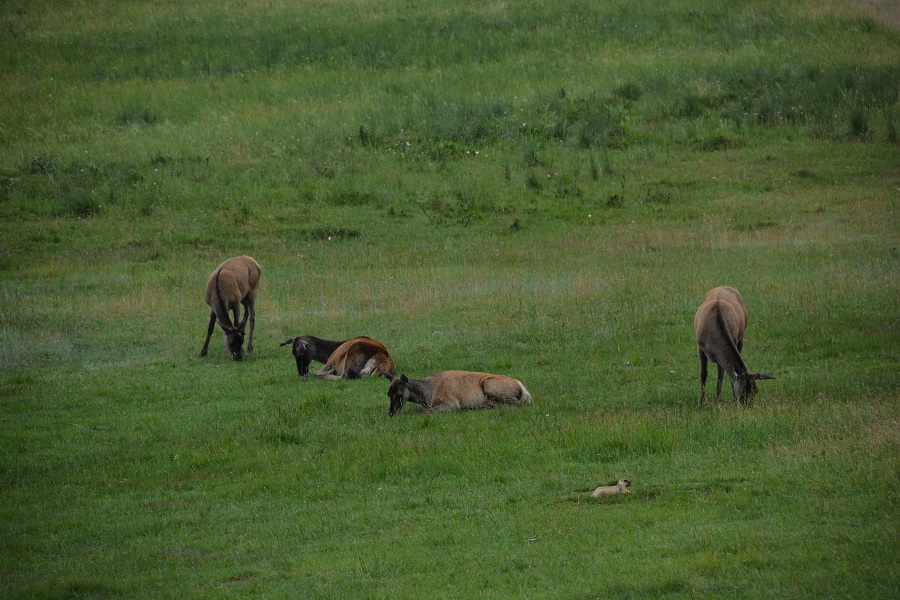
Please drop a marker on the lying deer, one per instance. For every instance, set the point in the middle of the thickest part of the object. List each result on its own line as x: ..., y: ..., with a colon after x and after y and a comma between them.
x: 233, y: 283
x: 353, y: 359
x: 720, y: 324
x: 454, y: 390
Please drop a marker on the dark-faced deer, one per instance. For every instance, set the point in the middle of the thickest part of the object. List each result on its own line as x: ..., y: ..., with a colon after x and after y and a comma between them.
x: 352, y: 359
x: 454, y: 390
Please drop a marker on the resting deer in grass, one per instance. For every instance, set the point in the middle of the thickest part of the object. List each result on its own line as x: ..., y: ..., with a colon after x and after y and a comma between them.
x: 454, y: 390
x: 356, y: 358
x: 720, y: 324
x: 233, y: 283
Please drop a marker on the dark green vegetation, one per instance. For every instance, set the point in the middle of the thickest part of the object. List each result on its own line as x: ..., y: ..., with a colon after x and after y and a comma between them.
x: 540, y: 189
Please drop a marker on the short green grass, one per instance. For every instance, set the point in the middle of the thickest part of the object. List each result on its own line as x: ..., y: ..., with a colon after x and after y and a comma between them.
x: 540, y: 189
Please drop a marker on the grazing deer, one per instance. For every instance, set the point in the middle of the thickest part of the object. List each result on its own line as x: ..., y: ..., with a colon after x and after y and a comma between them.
x: 353, y: 359
x: 612, y: 490
x: 233, y: 283
x: 720, y: 324
x: 454, y: 390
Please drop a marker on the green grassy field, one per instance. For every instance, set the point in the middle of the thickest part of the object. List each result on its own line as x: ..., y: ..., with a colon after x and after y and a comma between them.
x: 540, y: 189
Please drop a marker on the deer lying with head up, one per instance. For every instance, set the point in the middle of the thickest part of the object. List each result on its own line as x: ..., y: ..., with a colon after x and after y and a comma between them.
x: 232, y: 284
x: 720, y: 324
x: 454, y: 390
x: 356, y: 358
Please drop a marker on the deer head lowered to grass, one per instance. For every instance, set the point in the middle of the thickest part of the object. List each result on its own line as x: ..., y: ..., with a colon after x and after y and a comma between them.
x: 355, y: 358
x: 454, y: 390
x: 233, y: 283
x: 719, y: 324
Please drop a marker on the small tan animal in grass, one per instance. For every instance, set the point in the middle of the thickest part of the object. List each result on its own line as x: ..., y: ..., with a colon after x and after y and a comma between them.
x: 720, y: 324
x: 455, y: 390
x: 233, y: 283
x: 612, y: 490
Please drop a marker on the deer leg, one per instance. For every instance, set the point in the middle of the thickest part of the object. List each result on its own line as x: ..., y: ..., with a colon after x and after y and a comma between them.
x: 501, y: 390
x: 439, y: 408
x: 212, y: 326
x: 250, y: 312
x: 359, y: 366
x: 249, y: 316
x: 720, y: 372
x: 737, y: 385
x: 327, y: 372
x: 703, y: 374
x: 252, y: 308
x: 507, y: 396
x: 352, y: 370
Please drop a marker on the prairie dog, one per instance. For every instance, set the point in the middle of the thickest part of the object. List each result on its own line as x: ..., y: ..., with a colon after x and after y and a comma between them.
x: 612, y: 490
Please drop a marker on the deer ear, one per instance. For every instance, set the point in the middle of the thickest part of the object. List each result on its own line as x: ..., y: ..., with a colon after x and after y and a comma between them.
x: 387, y: 376
x: 286, y: 342
x: 404, y: 379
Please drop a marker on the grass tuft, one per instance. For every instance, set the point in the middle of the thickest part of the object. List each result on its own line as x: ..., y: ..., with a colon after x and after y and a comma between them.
x: 136, y: 116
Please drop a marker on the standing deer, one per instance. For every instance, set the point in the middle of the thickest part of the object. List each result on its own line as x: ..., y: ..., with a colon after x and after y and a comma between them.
x: 356, y: 358
x: 233, y: 283
x: 453, y: 390
x: 720, y: 324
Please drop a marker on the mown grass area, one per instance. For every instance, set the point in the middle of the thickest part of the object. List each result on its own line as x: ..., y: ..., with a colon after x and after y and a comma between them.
x: 544, y: 190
